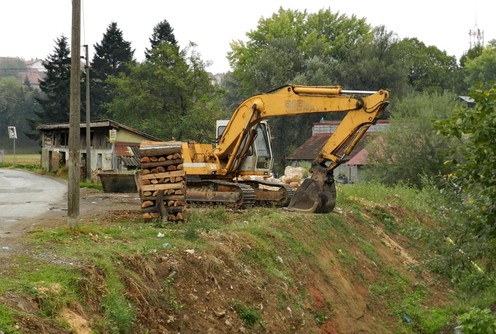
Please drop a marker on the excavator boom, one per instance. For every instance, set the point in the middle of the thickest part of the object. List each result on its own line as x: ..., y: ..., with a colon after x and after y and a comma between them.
x: 293, y: 100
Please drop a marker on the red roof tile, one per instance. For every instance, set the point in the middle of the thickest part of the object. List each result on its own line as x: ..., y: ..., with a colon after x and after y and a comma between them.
x: 310, y: 149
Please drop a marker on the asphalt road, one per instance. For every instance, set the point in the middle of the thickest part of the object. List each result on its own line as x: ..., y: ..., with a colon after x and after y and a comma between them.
x: 25, y: 195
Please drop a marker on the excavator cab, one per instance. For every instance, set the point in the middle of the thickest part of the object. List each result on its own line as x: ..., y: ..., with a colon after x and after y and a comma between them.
x: 259, y: 159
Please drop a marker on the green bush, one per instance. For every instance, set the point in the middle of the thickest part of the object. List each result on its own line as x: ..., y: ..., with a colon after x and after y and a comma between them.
x: 478, y: 321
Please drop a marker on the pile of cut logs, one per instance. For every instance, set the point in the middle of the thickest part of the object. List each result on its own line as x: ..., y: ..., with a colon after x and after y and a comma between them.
x: 161, y: 181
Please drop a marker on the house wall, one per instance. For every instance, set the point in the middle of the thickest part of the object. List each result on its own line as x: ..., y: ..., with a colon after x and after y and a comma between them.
x: 330, y: 127
x: 347, y: 173
x: 54, y: 158
x: 55, y: 149
x: 126, y: 136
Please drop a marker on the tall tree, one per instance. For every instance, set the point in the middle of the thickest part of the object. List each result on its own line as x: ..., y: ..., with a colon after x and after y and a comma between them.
x: 473, y: 158
x: 169, y: 95
x: 472, y: 53
x: 162, y: 33
x: 55, y: 87
x: 371, y: 65
x: 17, y: 104
x: 289, y: 41
x: 110, y: 58
x: 429, y: 69
x: 482, y: 69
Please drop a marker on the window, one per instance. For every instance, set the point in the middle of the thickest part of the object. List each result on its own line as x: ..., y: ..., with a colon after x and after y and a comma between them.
x: 64, y: 138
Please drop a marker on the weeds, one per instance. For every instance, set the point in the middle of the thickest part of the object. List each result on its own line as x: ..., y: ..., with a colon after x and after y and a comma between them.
x: 478, y: 321
x: 171, y: 297
x: 7, y: 322
x: 249, y: 315
x: 118, y: 311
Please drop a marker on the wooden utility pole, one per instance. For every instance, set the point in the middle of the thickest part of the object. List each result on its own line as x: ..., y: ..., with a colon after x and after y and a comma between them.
x: 74, y: 119
x: 88, y: 123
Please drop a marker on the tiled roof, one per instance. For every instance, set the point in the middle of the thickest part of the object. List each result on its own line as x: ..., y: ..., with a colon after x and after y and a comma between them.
x: 98, y: 124
x: 129, y: 154
x: 359, y: 159
x: 312, y: 147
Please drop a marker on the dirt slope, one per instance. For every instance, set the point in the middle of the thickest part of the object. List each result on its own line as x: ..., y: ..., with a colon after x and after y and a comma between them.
x: 346, y: 273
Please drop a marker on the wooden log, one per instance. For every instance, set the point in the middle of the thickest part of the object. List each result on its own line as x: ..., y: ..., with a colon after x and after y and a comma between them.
x: 166, y: 198
x: 176, y: 217
x: 165, y: 186
x: 146, y: 204
x: 163, y: 164
x: 159, y: 148
x: 163, y: 175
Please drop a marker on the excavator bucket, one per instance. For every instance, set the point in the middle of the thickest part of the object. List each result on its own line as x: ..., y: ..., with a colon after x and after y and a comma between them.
x: 315, y: 195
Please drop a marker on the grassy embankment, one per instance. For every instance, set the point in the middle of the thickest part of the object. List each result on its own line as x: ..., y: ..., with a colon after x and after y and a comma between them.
x: 365, y: 267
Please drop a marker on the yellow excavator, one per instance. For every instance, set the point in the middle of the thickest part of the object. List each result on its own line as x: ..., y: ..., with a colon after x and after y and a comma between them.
x: 223, y: 173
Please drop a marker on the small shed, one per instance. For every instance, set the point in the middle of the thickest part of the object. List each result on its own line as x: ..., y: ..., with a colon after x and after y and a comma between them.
x: 114, y: 146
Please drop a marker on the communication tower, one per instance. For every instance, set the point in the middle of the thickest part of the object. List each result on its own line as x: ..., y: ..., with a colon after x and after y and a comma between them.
x: 476, y: 36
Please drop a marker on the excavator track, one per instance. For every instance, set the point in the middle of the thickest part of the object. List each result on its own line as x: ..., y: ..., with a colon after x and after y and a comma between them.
x: 269, y: 193
x: 219, y: 192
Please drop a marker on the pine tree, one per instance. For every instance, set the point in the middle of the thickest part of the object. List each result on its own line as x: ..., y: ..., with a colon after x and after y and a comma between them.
x: 55, y: 88
x: 162, y: 33
x: 110, y: 58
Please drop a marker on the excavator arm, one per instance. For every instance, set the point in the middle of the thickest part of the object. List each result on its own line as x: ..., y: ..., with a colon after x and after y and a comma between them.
x: 317, y: 193
x: 293, y: 100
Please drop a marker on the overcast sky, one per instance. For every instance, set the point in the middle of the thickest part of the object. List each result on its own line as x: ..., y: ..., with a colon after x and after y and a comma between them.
x: 28, y: 28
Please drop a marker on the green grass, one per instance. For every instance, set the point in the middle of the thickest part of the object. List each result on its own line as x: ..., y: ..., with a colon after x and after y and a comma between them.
x: 249, y: 315
x: 7, y: 320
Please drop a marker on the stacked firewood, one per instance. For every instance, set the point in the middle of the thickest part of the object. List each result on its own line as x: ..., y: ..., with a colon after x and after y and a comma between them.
x: 162, y: 181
